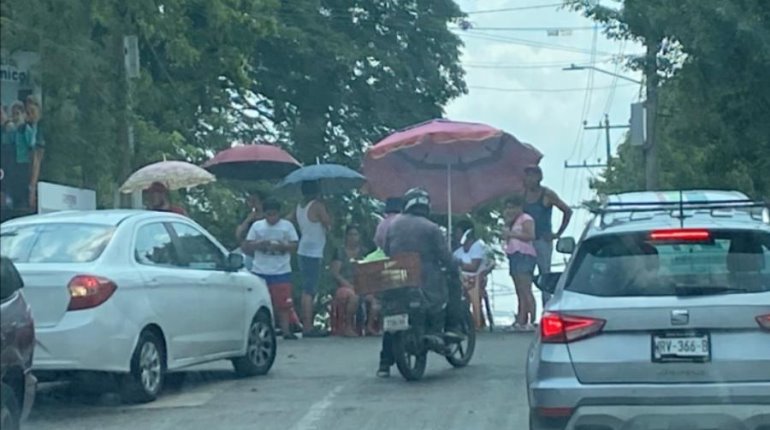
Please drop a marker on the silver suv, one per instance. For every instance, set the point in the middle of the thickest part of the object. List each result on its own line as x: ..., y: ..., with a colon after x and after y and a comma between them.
x: 661, y: 319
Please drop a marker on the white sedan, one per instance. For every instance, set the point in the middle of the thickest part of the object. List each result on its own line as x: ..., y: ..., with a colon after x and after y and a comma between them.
x: 139, y: 294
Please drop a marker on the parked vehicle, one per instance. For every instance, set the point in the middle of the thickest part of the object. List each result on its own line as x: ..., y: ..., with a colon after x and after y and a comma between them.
x: 661, y: 319
x: 17, y: 344
x: 139, y: 294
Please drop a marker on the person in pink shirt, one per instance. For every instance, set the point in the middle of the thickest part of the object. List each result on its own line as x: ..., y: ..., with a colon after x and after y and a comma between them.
x: 519, y: 237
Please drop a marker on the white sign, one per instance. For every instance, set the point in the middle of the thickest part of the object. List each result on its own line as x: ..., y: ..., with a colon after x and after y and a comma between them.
x: 638, y: 124
x: 131, y: 56
x: 18, y: 77
x: 55, y: 197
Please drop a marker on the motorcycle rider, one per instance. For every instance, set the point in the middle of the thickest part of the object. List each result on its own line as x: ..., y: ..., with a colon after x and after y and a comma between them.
x: 413, y: 232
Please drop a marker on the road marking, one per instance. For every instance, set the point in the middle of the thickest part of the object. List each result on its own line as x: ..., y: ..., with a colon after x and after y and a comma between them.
x: 316, y: 412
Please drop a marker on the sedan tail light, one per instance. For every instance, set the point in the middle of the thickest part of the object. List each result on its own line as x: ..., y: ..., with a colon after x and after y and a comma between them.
x: 88, y: 291
x: 764, y: 321
x: 560, y: 328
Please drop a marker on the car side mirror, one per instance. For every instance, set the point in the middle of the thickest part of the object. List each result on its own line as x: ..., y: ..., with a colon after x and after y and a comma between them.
x: 565, y: 245
x: 235, y: 262
x: 547, y: 281
x: 10, y: 280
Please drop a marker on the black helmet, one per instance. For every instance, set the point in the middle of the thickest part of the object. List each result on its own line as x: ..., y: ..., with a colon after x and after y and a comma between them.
x: 416, y: 197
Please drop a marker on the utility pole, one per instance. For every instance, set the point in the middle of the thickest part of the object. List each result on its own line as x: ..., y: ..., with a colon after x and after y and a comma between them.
x: 651, y: 106
x: 127, y: 50
x: 608, y: 145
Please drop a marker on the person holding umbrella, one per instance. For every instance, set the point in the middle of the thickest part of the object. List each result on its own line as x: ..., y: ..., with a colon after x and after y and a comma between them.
x: 159, y: 199
x: 314, y: 222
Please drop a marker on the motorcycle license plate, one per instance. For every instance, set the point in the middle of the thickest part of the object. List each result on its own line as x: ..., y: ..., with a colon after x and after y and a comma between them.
x: 396, y: 322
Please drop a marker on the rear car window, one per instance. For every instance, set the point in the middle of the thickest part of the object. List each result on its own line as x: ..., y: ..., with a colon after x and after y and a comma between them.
x: 637, y: 265
x: 55, y: 243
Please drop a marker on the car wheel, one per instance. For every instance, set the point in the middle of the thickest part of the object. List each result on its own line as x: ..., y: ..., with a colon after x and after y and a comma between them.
x: 260, y: 348
x: 10, y: 412
x: 148, y: 367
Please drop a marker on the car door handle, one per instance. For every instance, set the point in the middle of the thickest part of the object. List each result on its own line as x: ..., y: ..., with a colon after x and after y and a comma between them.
x: 153, y: 283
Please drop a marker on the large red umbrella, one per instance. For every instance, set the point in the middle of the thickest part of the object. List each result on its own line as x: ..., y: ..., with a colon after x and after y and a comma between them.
x: 252, y: 163
x: 462, y: 165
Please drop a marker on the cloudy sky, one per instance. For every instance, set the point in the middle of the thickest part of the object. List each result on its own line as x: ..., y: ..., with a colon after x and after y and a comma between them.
x: 516, y: 82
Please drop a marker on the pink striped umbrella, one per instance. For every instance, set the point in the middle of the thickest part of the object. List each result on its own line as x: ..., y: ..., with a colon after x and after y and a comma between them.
x: 462, y: 165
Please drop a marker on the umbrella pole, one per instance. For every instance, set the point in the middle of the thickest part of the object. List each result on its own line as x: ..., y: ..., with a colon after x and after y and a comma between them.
x: 449, y: 205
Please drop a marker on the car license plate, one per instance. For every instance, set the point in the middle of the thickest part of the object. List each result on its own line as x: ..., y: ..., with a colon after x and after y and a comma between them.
x: 396, y: 322
x: 681, y: 347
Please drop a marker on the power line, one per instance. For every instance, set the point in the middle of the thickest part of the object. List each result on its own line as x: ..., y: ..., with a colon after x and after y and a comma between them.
x: 538, y: 29
x: 513, y: 9
x: 531, y: 43
x: 549, y: 65
x: 579, y: 177
x: 540, y: 90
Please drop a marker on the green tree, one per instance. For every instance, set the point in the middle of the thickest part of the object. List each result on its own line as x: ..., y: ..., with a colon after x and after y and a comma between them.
x: 713, y: 100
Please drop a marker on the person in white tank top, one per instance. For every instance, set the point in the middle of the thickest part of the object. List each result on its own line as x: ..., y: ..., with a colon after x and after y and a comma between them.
x: 314, y: 222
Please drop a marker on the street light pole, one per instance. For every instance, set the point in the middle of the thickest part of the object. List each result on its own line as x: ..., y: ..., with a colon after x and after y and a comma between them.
x: 606, y: 72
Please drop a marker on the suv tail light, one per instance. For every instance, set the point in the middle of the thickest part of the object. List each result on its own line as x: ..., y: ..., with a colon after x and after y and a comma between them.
x: 681, y: 234
x: 560, y: 328
x: 764, y: 321
x: 88, y: 291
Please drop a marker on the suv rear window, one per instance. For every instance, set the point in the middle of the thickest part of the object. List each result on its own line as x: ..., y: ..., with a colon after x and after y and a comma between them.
x: 55, y: 243
x: 634, y: 265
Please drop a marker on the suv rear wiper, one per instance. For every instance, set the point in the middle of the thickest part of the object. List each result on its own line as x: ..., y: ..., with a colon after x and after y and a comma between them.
x: 704, y: 290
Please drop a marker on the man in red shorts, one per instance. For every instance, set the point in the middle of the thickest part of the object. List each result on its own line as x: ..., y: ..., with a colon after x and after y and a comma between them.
x: 271, y: 241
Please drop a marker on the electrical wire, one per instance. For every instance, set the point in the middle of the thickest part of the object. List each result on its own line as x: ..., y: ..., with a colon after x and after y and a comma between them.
x: 580, y: 175
x: 531, y: 43
x: 542, y: 90
x: 534, y: 64
x: 514, y: 9
x: 525, y: 29
x: 584, y: 111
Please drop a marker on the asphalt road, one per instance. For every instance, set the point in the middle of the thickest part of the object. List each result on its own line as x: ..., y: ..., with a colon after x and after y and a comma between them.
x: 317, y: 384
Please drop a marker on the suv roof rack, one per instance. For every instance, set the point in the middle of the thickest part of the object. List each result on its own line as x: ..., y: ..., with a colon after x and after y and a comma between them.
x: 630, y: 207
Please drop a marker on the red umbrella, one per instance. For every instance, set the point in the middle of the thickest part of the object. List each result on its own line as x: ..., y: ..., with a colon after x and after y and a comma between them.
x: 252, y: 163
x: 462, y: 165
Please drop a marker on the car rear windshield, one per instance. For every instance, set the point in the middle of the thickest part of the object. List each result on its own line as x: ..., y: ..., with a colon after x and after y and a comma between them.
x: 723, y: 262
x: 55, y: 243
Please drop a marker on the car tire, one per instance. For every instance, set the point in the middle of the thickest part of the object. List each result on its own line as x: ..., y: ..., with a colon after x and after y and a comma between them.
x: 261, y: 348
x: 10, y: 411
x: 148, y: 368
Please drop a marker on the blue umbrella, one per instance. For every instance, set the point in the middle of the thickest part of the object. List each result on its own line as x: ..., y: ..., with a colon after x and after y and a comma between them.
x: 334, y: 178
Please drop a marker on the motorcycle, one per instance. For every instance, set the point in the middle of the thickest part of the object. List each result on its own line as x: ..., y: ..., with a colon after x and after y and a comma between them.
x: 415, y: 331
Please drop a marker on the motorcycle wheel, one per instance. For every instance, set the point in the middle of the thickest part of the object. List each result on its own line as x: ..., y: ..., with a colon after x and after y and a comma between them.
x: 411, y: 366
x: 462, y: 352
